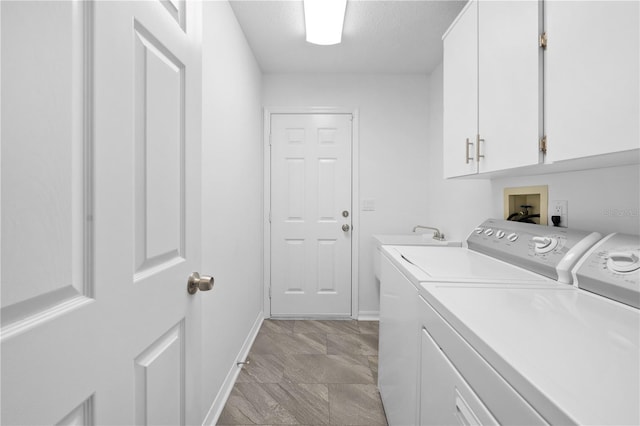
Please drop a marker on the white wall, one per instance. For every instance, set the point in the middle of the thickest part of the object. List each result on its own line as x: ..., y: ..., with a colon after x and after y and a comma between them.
x: 393, y: 149
x: 604, y: 200
x: 231, y: 194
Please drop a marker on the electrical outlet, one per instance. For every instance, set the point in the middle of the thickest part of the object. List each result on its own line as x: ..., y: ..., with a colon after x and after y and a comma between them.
x: 560, y: 208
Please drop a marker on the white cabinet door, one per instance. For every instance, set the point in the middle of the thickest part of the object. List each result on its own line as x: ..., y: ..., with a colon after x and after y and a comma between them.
x: 510, y: 89
x: 592, y: 88
x: 445, y: 396
x: 100, y: 212
x: 310, y: 191
x: 461, y: 94
x: 399, y: 345
x: 492, y: 88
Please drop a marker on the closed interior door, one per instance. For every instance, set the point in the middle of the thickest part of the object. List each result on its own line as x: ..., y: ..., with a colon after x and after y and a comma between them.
x: 311, y: 215
x: 100, y: 212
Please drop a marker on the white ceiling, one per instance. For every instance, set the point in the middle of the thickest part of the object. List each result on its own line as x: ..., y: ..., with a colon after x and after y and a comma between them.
x: 386, y: 36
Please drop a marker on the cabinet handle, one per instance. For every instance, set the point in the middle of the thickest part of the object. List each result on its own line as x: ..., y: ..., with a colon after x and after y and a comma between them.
x: 478, y: 156
x: 467, y: 150
x: 463, y: 412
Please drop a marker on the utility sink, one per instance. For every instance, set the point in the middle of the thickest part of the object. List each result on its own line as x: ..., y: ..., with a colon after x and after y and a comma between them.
x: 425, y: 239
x: 411, y: 240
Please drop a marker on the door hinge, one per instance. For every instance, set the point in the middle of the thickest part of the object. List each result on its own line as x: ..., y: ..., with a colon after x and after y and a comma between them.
x: 269, y: 216
x: 542, y: 40
x: 269, y: 139
x: 543, y: 144
x: 269, y: 292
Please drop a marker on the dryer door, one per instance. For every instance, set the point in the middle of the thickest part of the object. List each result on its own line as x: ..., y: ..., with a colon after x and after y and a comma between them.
x: 445, y: 397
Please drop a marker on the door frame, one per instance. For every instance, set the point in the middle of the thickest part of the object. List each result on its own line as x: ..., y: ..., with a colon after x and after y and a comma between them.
x: 355, y: 212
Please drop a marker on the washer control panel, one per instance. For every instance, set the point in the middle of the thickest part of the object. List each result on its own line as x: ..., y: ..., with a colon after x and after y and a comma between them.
x: 612, y: 269
x: 549, y: 251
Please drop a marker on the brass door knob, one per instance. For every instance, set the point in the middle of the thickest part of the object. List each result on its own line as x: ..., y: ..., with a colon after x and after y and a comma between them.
x: 197, y: 282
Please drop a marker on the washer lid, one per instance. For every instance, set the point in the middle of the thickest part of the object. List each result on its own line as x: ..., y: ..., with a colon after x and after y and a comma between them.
x: 457, y: 264
x: 571, y: 354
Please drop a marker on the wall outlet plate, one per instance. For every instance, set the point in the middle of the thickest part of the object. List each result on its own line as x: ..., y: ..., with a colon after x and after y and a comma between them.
x: 369, y: 205
x: 560, y: 208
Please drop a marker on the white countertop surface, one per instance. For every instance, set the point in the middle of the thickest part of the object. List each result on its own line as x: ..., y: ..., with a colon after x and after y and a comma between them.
x: 573, y: 355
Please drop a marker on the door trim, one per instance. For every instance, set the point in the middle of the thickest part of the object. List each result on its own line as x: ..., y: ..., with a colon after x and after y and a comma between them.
x: 355, y: 197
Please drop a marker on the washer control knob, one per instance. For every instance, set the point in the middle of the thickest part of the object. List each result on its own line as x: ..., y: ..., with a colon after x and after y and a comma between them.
x: 488, y: 231
x: 544, y: 244
x: 623, y: 261
x: 500, y: 234
x: 512, y: 237
x: 478, y: 230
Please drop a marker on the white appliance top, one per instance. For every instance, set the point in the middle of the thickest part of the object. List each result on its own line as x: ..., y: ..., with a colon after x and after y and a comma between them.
x: 612, y: 269
x: 549, y: 251
x: 573, y: 355
x: 458, y: 265
x: 500, y: 251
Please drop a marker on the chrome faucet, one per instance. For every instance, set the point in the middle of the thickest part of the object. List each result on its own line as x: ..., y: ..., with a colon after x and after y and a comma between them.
x: 436, y: 235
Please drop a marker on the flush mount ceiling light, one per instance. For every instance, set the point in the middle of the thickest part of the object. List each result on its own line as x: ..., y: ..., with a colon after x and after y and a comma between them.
x: 323, y: 20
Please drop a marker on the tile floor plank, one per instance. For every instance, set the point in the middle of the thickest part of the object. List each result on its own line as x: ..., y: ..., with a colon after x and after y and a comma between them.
x: 368, y: 327
x: 328, y: 369
x: 277, y: 326
x: 361, y: 344
x: 324, y: 326
x: 353, y: 404
x: 285, y: 344
x: 311, y: 372
x: 263, y: 368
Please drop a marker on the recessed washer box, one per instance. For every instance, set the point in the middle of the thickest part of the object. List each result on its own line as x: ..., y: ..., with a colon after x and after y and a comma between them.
x: 535, y: 196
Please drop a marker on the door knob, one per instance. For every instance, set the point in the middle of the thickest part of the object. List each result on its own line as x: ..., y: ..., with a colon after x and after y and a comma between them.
x: 345, y: 227
x: 197, y: 282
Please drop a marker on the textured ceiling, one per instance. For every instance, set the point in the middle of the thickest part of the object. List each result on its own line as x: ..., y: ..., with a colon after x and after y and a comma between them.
x: 391, y: 36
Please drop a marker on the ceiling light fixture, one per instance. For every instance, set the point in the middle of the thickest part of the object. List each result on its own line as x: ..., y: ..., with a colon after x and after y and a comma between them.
x: 323, y: 20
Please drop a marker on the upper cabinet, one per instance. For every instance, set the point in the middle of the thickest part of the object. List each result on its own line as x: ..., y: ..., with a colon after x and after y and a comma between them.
x: 592, y: 74
x: 493, y: 88
x: 494, y: 117
x: 460, y: 85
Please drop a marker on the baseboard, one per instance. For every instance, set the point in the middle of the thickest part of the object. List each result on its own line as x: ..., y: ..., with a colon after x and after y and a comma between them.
x: 369, y: 316
x: 225, y: 390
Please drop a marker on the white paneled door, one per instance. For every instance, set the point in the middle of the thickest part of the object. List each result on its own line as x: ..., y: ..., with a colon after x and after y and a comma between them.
x: 311, y: 215
x: 100, y: 212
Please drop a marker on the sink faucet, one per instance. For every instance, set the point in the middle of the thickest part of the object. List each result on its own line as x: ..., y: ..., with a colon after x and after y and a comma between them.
x: 436, y: 235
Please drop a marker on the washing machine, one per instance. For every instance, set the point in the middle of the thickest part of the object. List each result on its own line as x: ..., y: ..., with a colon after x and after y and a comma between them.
x: 496, y: 253
x: 566, y: 355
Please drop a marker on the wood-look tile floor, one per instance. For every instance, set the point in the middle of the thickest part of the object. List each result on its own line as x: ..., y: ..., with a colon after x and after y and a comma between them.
x: 309, y: 373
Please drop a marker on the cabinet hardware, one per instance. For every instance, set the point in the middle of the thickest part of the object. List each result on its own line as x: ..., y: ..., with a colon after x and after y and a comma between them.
x: 542, y: 40
x: 543, y: 144
x: 467, y: 150
x: 478, y: 156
